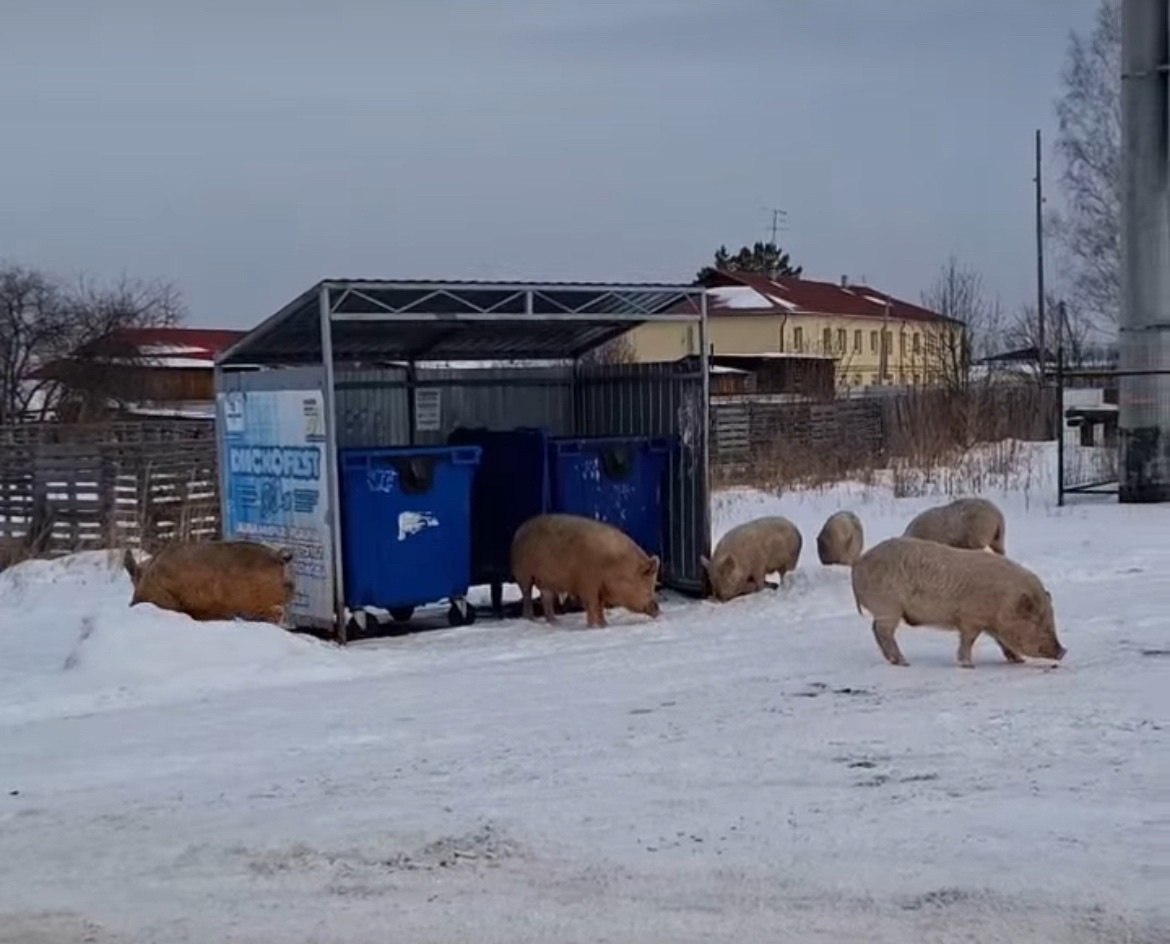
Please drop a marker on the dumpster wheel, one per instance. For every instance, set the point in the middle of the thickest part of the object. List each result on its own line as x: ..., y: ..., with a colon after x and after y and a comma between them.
x: 461, y: 613
x: 402, y: 614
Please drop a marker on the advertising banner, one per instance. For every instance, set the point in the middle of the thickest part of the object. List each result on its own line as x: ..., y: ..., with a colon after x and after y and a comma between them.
x: 277, y: 490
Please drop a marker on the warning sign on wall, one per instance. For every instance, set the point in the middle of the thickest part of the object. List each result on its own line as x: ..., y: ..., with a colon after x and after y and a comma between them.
x: 428, y: 413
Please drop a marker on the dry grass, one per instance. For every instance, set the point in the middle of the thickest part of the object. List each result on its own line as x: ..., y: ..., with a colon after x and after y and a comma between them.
x: 935, y: 442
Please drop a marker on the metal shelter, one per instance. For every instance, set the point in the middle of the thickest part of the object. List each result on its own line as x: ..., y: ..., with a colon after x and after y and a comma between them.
x: 390, y: 363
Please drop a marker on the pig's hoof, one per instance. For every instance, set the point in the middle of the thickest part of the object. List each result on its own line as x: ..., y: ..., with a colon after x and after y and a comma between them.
x: 967, y: 665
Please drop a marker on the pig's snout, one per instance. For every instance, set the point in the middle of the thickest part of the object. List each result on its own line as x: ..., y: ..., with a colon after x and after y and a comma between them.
x: 652, y: 609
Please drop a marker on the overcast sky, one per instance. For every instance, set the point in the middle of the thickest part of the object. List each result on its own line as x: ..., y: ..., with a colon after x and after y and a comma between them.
x: 247, y: 148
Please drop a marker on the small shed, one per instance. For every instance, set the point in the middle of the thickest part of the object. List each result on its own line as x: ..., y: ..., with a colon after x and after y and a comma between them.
x: 374, y: 364
x: 808, y: 375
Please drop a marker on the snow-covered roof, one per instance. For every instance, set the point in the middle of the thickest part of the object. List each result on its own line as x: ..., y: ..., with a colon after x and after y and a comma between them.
x: 173, y: 348
x: 746, y: 298
x: 180, y: 409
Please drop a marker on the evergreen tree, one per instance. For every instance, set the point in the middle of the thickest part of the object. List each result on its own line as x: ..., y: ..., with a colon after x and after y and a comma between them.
x: 762, y: 258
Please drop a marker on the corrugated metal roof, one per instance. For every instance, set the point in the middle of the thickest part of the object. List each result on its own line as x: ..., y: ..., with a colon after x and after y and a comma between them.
x: 410, y: 320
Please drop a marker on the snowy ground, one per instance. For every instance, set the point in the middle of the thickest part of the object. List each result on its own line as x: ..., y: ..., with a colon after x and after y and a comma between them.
x: 749, y: 772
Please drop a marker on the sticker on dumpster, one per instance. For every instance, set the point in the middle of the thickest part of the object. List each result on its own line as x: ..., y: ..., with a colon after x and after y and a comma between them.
x: 412, y: 522
x: 381, y: 480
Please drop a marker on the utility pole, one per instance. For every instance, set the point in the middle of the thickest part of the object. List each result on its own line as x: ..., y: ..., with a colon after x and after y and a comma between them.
x: 1144, y: 338
x: 1039, y: 180
x: 884, y: 356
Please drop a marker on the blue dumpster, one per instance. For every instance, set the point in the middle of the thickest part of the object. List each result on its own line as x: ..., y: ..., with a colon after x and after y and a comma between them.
x: 618, y: 480
x: 406, y: 528
x: 511, y: 486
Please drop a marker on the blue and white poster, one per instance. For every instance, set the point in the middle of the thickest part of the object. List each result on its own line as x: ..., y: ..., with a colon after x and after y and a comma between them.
x: 277, y: 491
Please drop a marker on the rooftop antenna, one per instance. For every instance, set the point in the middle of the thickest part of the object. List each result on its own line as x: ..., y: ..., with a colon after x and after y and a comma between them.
x: 779, y: 224
x: 779, y: 221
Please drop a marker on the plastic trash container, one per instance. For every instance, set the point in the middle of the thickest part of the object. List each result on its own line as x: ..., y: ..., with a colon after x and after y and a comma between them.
x: 618, y: 480
x: 511, y: 485
x: 406, y: 528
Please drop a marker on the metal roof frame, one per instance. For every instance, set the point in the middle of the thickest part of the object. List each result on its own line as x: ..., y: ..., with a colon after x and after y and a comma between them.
x: 399, y: 320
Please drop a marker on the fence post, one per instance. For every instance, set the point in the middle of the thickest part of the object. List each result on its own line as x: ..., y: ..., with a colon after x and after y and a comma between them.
x: 1059, y: 408
x: 107, y: 497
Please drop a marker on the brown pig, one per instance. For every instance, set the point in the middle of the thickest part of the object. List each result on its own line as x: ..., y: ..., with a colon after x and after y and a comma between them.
x: 923, y: 583
x: 592, y: 561
x: 973, y: 523
x: 841, y: 539
x: 216, y: 580
x: 747, y: 553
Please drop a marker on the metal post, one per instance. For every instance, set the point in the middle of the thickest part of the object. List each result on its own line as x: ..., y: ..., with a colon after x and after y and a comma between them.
x: 411, y: 400
x: 1041, y: 302
x: 332, y: 470
x: 705, y: 370
x: 1059, y: 405
x: 222, y: 455
x: 1144, y: 417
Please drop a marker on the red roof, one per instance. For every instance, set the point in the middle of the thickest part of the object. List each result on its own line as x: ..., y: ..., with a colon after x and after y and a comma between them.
x: 749, y: 293
x: 197, y: 343
x: 163, y: 348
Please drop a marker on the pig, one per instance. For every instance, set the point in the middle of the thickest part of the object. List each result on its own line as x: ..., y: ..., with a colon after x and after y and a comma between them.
x: 216, y: 580
x: 588, y: 560
x: 841, y: 539
x: 923, y: 583
x: 750, y: 551
x: 973, y: 523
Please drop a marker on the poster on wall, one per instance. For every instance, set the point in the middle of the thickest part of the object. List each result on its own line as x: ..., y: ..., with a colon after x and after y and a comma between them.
x: 276, y: 487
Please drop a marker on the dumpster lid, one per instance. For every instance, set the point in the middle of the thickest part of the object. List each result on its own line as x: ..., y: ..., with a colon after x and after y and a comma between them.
x: 481, y: 321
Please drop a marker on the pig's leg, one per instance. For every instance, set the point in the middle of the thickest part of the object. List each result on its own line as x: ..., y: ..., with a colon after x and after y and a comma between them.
x: 1009, y: 654
x: 548, y: 603
x: 967, y: 637
x: 526, y: 598
x: 883, y: 632
x: 593, y: 598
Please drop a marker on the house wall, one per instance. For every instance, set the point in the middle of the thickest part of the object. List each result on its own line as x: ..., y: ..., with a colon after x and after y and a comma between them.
x: 919, y: 353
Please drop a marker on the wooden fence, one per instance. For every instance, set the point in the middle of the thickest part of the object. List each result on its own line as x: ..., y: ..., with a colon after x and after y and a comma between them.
x: 143, y: 483
x: 118, y: 484
x: 849, y: 433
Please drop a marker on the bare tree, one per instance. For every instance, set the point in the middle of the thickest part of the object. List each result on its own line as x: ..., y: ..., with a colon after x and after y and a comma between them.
x: 30, y: 324
x: 957, y: 293
x: 55, y: 339
x: 1073, y: 331
x: 1089, y: 146
x: 619, y: 350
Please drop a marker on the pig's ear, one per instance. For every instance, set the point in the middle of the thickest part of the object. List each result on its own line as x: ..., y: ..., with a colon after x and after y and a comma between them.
x: 1026, y: 606
x: 651, y: 566
x: 705, y: 563
x: 727, y: 565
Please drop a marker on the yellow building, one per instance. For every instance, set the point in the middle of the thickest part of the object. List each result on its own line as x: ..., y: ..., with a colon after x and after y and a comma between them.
x: 752, y: 315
